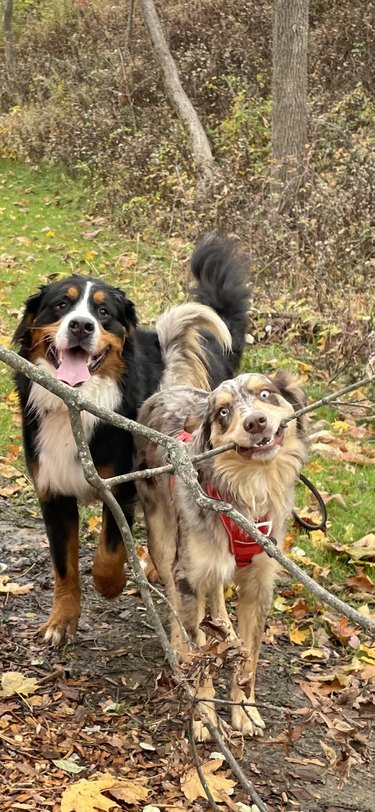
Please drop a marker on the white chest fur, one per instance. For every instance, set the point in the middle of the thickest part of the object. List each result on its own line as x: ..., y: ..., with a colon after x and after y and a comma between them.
x: 59, y: 469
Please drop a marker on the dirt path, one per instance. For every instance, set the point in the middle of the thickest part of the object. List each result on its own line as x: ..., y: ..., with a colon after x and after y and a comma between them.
x: 108, y: 702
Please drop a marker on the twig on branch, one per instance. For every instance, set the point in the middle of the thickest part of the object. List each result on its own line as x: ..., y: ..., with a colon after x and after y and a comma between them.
x: 200, y: 772
x: 242, y: 704
x: 129, y: 25
x: 329, y: 398
x: 183, y: 466
x: 98, y: 483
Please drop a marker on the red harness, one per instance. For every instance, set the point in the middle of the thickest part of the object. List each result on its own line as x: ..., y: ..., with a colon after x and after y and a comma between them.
x: 241, y: 544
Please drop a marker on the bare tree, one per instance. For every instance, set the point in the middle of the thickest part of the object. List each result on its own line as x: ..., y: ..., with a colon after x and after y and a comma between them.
x: 289, y: 90
x: 201, y: 149
x: 7, y: 9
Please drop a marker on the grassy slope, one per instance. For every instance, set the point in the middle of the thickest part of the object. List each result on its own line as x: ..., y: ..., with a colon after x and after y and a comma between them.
x: 45, y: 232
x: 43, y: 218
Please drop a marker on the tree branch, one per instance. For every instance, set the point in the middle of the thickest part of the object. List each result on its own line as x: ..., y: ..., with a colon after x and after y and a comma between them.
x: 183, y: 466
x: 201, y: 149
x: 329, y: 398
x: 95, y: 480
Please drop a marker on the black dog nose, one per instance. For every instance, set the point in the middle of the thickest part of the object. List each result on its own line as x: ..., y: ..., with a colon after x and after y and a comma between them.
x: 81, y: 328
x: 255, y: 423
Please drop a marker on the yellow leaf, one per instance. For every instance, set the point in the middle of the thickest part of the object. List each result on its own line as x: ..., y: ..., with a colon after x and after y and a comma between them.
x: 13, y: 682
x: 298, y: 636
x: 86, y: 796
x: 192, y: 787
x: 341, y: 426
x: 312, y: 652
x: 93, y: 522
x: 51, y: 234
x: 281, y: 605
x: 369, y: 651
x: 89, y: 255
x: 315, y: 466
x: 318, y: 537
x: 228, y: 593
x: 13, y: 588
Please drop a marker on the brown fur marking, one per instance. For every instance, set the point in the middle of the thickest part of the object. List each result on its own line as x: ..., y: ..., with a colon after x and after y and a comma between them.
x: 66, y: 607
x: 108, y: 566
x: 99, y: 297
x: 72, y: 292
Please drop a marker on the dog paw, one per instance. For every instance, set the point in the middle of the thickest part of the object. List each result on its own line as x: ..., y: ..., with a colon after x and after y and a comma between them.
x: 59, y: 629
x: 249, y: 723
x: 200, y: 731
x: 109, y: 587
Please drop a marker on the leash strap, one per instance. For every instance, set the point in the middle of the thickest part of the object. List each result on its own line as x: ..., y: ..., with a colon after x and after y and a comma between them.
x: 322, y: 508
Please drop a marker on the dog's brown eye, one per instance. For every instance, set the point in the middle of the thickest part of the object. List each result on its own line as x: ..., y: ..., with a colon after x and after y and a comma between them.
x: 103, y: 312
x: 61, y: 306
x: 224, y: 412
x: 264, y: 394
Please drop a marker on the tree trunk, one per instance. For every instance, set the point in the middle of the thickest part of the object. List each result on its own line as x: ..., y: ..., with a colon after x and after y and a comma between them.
x: 289, y: 91
x: 200, y: 147
x: 8, y: 38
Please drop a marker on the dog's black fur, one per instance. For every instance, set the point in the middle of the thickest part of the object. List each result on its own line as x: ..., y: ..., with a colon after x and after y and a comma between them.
x: 220, y: 274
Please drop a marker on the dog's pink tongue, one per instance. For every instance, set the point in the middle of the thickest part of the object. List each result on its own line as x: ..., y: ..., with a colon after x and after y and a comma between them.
x: 73, y: 368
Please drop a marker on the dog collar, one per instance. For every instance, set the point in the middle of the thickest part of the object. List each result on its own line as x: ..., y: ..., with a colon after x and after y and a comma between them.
x: 241, y: 545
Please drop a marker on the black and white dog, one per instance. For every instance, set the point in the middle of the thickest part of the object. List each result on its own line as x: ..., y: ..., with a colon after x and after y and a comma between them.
x: 85, y: 333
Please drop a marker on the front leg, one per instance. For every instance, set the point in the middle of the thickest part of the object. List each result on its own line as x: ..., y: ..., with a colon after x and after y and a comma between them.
x: 61, y: 519
x: 110, y: 557
x: 256, y: 588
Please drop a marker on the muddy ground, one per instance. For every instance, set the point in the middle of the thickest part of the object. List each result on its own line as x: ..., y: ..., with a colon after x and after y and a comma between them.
x: 108, y: 702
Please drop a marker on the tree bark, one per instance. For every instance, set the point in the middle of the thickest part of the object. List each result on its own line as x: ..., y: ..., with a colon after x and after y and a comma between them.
x: 7, y: 8
x: 201, y: 150
x: 289, y: 90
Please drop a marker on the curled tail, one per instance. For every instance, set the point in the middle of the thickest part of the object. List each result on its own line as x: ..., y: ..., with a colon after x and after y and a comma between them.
x: 222, y: 272
x: 183, y: 350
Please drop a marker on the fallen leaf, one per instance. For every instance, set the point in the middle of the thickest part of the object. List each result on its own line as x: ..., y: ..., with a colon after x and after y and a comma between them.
x: 13, y: 682
x: 298, y: 636
x: 68, y: 765
x: 12, y: 588
x: 361, y: 581
x: 342, y: 630
x: 313, y: 652
x: 87, y: 796
x: 217, y: 782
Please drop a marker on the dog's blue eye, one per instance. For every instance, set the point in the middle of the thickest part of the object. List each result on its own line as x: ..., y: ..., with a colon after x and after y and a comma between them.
x: 265, y: 394
x: 224, y: 412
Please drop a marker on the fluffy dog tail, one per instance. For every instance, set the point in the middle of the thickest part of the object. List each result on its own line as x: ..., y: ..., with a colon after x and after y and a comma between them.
x: 184, y: 353
x: 222, y: 275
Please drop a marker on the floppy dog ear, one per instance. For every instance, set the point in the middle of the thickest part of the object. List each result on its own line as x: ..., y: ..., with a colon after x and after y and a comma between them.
x: 203, y: 439
x: 290, y: 388
x: 128, y: 316
x: 32, y: 306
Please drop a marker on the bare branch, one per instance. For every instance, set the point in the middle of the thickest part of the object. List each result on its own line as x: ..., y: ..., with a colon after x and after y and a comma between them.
x: 95, y: 480
x: 183, y: 466
x: 129, y: 25
x: 177, y: 96
x: 329, y: 398
x: 200, y: 772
